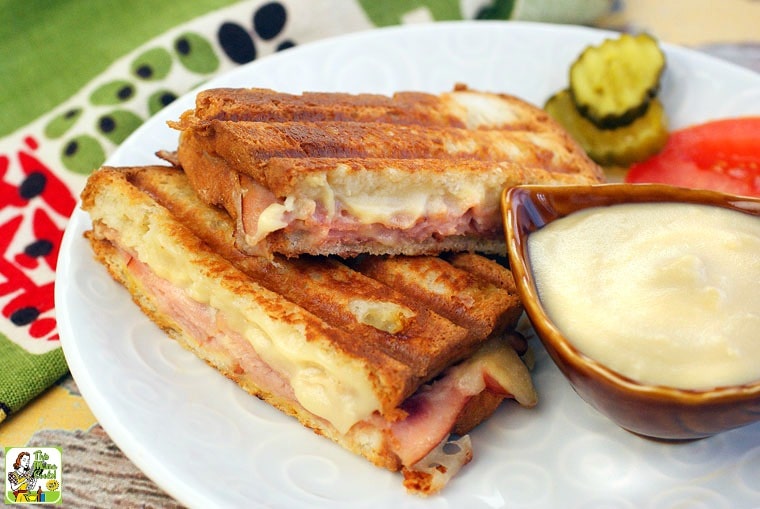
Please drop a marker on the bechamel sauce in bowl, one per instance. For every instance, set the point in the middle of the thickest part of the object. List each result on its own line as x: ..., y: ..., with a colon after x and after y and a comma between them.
x: 663, y: 293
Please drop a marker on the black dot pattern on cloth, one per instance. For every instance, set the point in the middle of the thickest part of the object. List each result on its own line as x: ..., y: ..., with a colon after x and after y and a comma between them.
x: 107, y: 124
x: 24, y: 316
x: 268, y: 22
x: 71, y: 148
x: 285, y: 45
x: 144, y: 71
x: 41, y: 247
x: 182, y: 45
x: 236, y: 43
x: 32, y: 186
x: 125, y: 92
x: 167, y: 98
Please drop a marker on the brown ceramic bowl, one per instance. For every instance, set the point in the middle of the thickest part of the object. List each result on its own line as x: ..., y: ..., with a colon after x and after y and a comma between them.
x: 652, y: 411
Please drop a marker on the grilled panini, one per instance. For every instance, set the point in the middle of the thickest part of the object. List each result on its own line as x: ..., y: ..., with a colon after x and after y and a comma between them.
x: 343, y: 174
x: 385, y: 356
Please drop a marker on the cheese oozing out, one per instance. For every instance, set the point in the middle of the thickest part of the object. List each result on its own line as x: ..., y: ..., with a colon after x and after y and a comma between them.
x: 390, y: 197
x: 327, y: 384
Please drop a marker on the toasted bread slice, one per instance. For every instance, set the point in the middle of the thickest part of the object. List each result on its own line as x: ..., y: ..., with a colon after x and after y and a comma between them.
x: 369, y: 188
x: 249, y: 145
x: 437, y: 335
x: 344, y: 353
x: 339, y: 174
x: 461, y: 108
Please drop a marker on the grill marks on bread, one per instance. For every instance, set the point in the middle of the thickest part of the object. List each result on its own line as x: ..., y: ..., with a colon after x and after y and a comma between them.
x: 446, y: 326
x: 264, y: 105
x: 314, y: 153
x: 258, y: 142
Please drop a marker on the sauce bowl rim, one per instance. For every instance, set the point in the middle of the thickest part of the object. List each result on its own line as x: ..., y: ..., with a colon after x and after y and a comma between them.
x: 517, y: 230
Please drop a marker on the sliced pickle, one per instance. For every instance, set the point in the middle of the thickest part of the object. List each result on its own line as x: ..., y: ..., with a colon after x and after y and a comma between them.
x: 613, y: 83
x: 612, y: 147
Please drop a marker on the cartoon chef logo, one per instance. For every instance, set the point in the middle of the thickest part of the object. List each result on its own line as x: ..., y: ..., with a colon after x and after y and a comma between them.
x: 33, y: 475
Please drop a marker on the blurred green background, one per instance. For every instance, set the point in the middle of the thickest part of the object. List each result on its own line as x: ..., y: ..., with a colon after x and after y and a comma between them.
x: 31, y: 33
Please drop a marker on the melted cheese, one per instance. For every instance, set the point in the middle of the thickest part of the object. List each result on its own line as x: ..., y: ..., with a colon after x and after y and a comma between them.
x: 326, y: 384
x: 385, y: 316
x: 271, y: 219
x: 391, y: 197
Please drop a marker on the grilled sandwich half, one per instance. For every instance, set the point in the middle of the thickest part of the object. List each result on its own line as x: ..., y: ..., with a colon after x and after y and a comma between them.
x: 342, y: 174
x: 387, y: 356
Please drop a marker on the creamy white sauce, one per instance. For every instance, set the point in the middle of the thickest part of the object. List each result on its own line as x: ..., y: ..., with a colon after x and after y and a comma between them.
x: 665, y: 293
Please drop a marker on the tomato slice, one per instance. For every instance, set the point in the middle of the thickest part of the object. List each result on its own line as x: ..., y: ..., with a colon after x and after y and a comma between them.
x: 722, y: 155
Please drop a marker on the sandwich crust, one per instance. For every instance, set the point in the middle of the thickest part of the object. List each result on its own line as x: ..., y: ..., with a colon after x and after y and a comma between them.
x: 265, y: 105
x: 333, y: 186
x: 427, y: 342
x: 142, y: 229
x: 176, y: 257
x: 461, y: 107
x: 249, y: 146
x: 364, y: 440
x: 324, y: 173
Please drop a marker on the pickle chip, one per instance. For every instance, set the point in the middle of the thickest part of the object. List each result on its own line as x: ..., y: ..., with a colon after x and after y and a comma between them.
x: 622, y: 146
x: 612, y: 84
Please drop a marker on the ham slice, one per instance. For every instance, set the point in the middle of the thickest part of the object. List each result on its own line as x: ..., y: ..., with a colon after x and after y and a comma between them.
x: 433, y: 409
x: 419, y: 438
x: 262, y: 213
x: 373, y: 366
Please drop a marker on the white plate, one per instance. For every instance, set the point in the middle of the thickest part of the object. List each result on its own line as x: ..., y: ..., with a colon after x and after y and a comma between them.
x: 208, y: 444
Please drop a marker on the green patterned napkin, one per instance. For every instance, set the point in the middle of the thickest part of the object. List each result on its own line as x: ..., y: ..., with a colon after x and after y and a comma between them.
x: 80, y: 76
